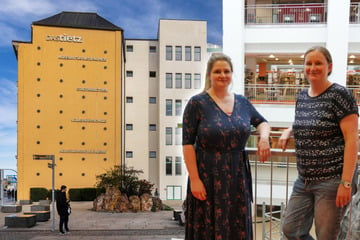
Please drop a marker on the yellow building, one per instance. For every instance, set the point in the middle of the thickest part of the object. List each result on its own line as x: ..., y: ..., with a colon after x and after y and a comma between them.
x: 69, y: 101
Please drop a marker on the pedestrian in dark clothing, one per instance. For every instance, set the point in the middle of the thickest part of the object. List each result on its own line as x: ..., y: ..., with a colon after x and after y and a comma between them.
x: 62, y: 206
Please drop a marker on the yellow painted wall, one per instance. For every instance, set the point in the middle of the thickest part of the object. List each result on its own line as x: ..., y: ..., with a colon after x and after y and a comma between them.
x: 69, y: 105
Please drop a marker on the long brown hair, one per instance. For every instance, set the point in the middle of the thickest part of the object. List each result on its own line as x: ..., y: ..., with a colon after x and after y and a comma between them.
x: 210, y: 64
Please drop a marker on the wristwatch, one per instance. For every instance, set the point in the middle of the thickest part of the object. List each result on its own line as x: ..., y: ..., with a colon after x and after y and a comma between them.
x: 346, y: 184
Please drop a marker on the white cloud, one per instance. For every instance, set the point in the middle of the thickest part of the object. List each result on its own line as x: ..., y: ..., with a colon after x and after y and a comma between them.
x: 16, y: 16
x: 8, y: 105
x: 33, y: 9
x: 8, y: 113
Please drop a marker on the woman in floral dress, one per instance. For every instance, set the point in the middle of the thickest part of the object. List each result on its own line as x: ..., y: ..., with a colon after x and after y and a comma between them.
x: 216, y: 127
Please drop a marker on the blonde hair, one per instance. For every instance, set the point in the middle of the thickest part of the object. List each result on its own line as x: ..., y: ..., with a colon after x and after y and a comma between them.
x: 210, y: 64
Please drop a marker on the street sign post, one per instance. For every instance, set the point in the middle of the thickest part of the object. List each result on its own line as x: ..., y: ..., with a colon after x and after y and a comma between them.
x: 52, y: 166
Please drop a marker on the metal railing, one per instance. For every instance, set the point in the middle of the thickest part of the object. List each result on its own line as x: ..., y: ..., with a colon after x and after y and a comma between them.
x: 273, y: 93
x: 272, y: 186
x: 307, y: 13
x: 355, y: 13
x: 311, y: 13
x: 283, y: 93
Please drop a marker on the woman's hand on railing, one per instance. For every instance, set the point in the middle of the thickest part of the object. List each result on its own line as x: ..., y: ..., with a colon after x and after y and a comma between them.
x: 263, y: 151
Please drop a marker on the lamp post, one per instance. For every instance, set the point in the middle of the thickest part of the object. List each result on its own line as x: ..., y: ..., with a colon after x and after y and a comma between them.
x: 52, y: 166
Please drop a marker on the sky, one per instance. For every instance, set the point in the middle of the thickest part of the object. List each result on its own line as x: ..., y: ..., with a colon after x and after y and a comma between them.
x: 138, y: 18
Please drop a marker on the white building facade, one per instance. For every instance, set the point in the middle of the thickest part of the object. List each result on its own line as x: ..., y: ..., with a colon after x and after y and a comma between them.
x: 160, y: 76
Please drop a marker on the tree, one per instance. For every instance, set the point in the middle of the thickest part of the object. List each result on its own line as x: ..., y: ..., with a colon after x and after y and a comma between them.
x: 126, y: 179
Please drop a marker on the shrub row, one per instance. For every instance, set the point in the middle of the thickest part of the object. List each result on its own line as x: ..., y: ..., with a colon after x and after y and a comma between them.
x: 75, y: 194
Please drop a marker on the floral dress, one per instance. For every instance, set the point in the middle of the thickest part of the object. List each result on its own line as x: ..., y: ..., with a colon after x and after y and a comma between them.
x: 223, y: 166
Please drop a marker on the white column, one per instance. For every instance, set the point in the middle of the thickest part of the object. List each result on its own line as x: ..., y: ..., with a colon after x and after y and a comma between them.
x: 338, y: 38
x: 233, y: 40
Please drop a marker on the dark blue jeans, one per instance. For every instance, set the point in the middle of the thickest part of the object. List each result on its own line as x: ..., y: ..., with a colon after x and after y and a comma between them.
x: 314, y: 201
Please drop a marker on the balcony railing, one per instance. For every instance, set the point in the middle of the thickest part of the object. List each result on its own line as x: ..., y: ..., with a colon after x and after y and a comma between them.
x: 286, y: 13
x: 272, y: 187
x: 311, y: 13
x: 355, y: 13
x: 283, y: 93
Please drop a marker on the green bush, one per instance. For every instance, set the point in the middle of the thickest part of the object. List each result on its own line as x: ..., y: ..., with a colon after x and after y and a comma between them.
x: 88, y: 194
x: 37, y: 194
x: 126, y: 179
x: 75, y: 194
x: 83, y: 194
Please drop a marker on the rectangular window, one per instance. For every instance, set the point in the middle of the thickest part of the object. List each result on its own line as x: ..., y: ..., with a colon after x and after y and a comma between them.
x: 129, y: 100
x: 129, y: 73
x: 129, y: 154
x: 169, y: 80
x: 168, y: 137
x: 168, y: 166
x: 197, y: 80
x: 152, y: 49
x: 187, y: 53
x: 152, y: 154
x: 178, y: 80
x: 178, y: 136
x: 169, y: 53
x: 173, y: 193
x: 168, y: 108
x: 178, y: 164
x: 197, y: 54
x: 152, y: 74
x: 129, y: 48
x: 187, y: 80
x: 129, y: 126
x: 178, y: 53
x: 152, y: 127
x: 178, y: 107
x: 152, y: 100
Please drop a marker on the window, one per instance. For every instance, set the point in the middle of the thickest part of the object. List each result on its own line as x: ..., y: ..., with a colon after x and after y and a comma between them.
x: 178, y: 107
x: 152, y: 154
x: 129, y: 154
x: 178, y: 53
x: 197, y: 54
x: 168, y: 136
x: 197, y: 81
x: 152, y: 74
x: 169, y: 82
x: 152, y: 127
x: 129, y: 100
x: 129, y: 73
x: 187, y: 53
x: 169, y: 53
x: 187, y: 80
x: 129, y: 126
x: 178, y: 80
x: 152, y: 49
x: 168, y: 107
x: 168, y: 166
x: 129, y: 48
x: 152, y: 100
x: 178, y: 136
x: 178, y: 164
x: 173, y: 192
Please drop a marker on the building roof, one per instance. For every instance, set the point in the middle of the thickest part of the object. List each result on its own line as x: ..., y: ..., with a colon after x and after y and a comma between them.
x: 78, y: 20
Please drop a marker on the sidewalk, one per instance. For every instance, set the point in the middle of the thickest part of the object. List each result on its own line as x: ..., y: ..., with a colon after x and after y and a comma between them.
x: 87, y: 224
